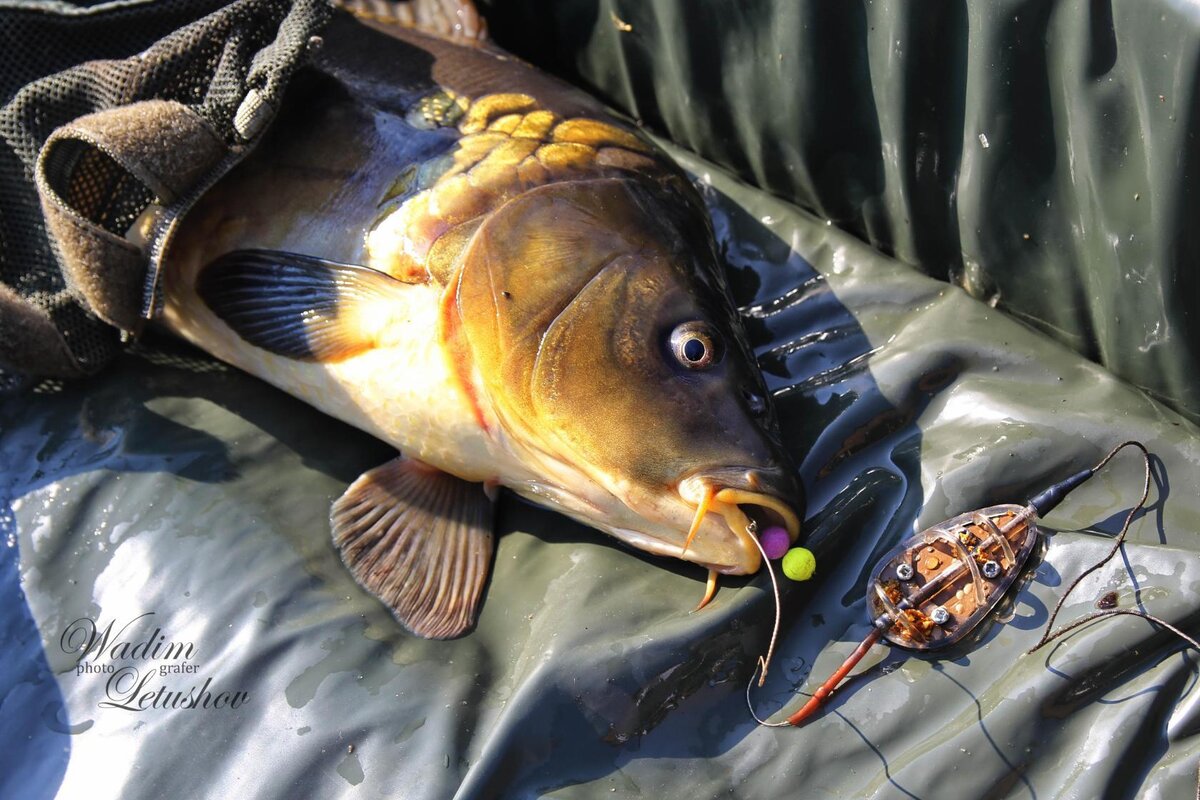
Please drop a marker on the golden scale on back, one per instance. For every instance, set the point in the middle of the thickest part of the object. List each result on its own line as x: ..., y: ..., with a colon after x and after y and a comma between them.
x: 509, y: 145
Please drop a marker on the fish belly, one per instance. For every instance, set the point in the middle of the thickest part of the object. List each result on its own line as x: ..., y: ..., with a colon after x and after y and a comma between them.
x: 403, y: 392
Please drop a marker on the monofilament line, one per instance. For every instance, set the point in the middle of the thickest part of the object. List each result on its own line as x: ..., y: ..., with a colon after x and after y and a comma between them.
x: 764, y: 661
x: 1048, y: 637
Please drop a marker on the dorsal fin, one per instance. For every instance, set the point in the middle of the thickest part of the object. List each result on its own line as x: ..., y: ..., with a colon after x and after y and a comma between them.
x: 455, y: 20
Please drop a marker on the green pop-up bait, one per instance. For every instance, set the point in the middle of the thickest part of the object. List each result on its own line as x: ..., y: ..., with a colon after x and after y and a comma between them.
x: 799, y: 564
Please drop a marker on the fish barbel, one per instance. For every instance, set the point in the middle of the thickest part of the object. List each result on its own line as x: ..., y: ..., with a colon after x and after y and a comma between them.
x: 478, y: 265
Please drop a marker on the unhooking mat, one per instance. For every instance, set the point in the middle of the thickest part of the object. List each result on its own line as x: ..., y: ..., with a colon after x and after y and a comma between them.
x: 176, y: 488
x: 187, y: 504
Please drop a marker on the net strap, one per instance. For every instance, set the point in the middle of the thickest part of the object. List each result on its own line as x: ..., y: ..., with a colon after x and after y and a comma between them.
x: 162, y: 147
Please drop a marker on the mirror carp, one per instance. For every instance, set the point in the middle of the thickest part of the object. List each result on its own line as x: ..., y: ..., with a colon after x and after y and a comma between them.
x: 481, y: 266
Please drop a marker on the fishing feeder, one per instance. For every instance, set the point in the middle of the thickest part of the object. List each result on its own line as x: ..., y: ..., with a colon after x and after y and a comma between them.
x: 934, y: 588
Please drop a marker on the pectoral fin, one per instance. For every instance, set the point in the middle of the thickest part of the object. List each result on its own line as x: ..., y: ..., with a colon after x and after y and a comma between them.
x: 298, y: 306
x: 420, y: 540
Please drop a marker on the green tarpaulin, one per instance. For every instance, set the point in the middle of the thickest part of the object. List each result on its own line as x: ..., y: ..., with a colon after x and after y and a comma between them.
x: 171, y: 485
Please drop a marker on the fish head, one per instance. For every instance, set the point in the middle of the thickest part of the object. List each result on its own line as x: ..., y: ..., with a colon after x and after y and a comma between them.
x: 602, y: 329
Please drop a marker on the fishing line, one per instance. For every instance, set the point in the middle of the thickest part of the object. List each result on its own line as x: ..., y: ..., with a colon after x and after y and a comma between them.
x: 750, y: 705
x: 765, y: 661
x: 1112, y: 612
x: 936, y: 586
x: 1117, y: 543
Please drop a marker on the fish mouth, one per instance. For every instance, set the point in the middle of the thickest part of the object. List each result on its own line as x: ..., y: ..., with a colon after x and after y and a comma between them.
x: 725, y: 507
x: 748, y: 501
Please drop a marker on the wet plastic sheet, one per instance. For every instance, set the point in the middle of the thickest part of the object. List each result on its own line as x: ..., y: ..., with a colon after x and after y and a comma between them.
x: 176, y: 487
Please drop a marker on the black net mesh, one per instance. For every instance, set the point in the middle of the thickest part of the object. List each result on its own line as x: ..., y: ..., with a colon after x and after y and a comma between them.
x: 62, y: 61
x: 100, y: 188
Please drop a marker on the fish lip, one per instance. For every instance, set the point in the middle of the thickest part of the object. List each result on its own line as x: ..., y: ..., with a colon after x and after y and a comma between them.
x: 653, y: 539
x: 735, y: 491
x: 773, y: 510
x: 772, y: 490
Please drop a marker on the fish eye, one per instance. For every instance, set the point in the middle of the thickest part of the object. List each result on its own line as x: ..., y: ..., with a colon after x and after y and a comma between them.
x: 695, y: 345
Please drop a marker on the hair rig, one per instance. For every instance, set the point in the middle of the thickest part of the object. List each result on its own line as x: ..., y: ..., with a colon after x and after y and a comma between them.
x: 934, y: 588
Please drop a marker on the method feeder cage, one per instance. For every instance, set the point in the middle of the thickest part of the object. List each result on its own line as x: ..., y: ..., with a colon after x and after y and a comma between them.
x: 934, y: 588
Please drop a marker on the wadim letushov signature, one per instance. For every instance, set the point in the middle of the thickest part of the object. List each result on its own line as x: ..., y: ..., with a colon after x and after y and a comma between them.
x: 137, y: 664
